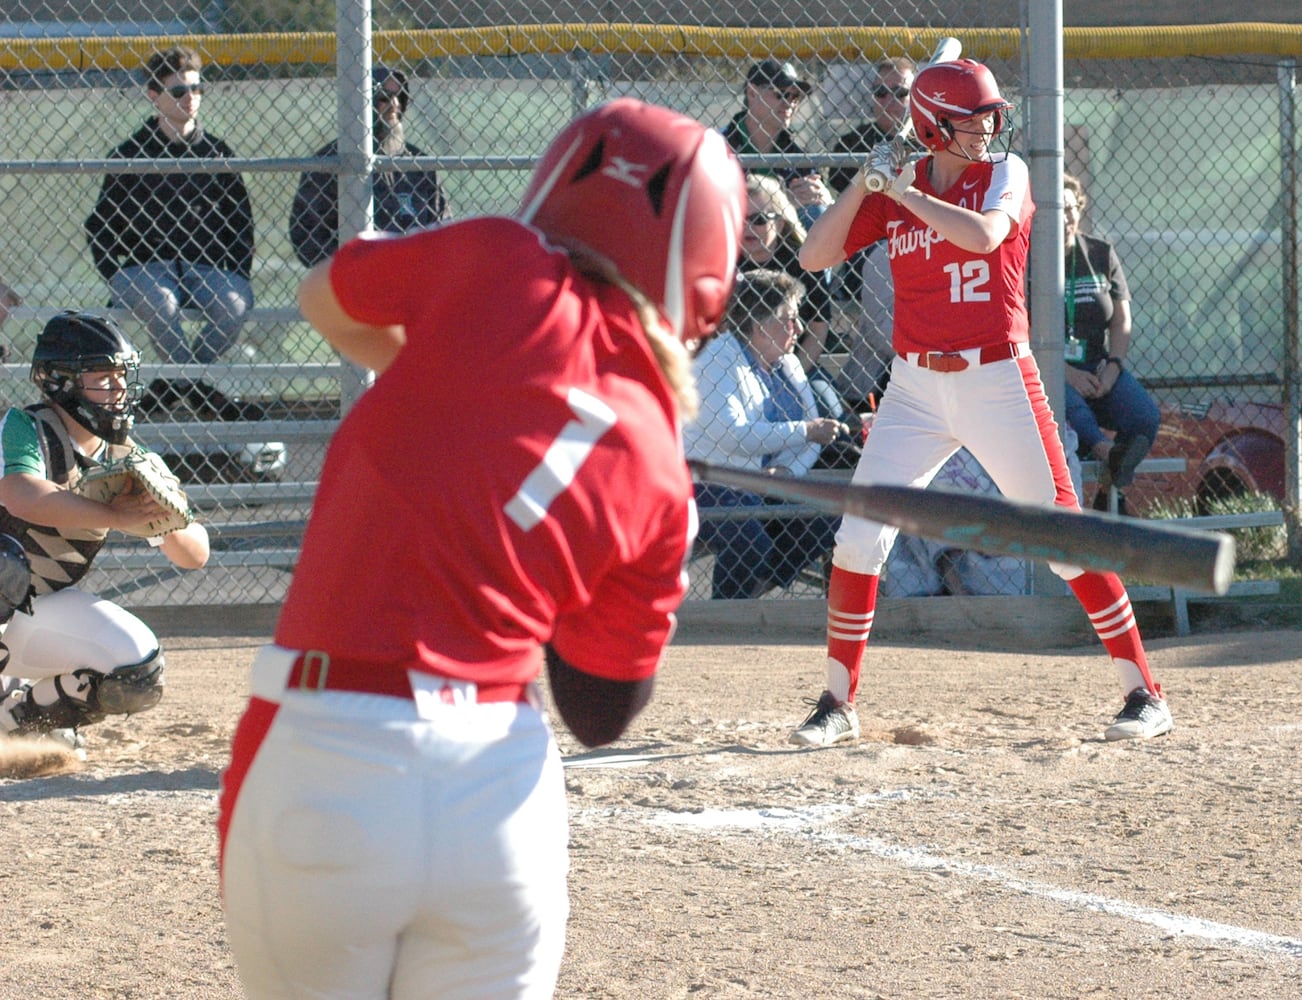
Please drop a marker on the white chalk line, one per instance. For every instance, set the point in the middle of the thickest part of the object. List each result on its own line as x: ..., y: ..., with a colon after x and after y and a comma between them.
x: 809, y: 822
x: 615, y: 760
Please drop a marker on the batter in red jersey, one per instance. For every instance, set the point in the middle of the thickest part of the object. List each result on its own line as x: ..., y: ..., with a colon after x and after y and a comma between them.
x: 511, y: 493
x: 957, y: 225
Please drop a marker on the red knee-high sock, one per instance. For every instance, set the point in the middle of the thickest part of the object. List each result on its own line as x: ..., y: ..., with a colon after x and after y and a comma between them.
x: 851, y: 604
x: 1104, y: 598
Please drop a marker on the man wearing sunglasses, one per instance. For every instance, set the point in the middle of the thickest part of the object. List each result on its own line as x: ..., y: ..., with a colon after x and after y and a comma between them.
x: 889, y: 109
x: 404, y: 200
x: 167, y: 240
x: 866, y: 276
x: 773, y: 92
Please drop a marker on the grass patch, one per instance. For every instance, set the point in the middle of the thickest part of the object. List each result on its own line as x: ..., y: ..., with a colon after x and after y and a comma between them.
x: 1262, y: 552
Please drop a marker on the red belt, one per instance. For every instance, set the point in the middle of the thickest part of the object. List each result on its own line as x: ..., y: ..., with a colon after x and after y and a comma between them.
x: 315, y: 670
x: 953, y: 361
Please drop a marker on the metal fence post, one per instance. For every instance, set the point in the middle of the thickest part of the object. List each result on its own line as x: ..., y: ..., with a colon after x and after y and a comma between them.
x: 356, y: 154
x: 1044, y: 147
x: 1289, y: 262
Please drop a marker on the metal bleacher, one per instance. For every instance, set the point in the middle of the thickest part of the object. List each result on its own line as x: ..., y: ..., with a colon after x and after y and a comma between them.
x: 1179, y: 596
x: 260, y: 524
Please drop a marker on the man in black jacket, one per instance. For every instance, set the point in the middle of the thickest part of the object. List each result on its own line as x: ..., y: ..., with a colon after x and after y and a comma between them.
x: 168, y: 240
x: 773, y: 92
x: 404, y: 200
x: 889, y: 110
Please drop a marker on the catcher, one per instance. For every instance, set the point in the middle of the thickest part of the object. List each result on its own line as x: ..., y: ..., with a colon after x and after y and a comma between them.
x: 70, y: 474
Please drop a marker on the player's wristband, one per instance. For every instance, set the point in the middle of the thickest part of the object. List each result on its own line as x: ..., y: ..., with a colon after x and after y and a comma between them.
x: 1114, y: 360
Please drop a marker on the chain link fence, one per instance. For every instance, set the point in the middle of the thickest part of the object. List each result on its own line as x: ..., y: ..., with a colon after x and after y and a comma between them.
x: 315, y: 122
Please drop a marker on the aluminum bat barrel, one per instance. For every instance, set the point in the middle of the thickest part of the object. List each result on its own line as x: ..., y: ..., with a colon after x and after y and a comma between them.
x: 1146, y: 550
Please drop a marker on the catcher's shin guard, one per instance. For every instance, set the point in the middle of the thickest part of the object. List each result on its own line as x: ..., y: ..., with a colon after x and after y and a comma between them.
x: 133, y: 688
x: 84, y: 697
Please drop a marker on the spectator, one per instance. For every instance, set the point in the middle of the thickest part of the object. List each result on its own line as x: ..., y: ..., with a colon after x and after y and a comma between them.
x: 757, y: 412
x: 918, y: 567
x: 773, y: 92
x: 867, y: 370
x: 890, y: 110
x: 8, y: 300
x: 73, y: 657
x: 167, y: 240
x: 1100, y: 393
x: 771, y: 239
x: 403, y: 200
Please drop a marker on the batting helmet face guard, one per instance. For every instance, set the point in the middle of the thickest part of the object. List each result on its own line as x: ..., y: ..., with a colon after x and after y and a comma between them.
x: 948, y: 93
x: 73, y: 344
x: 655, y: 192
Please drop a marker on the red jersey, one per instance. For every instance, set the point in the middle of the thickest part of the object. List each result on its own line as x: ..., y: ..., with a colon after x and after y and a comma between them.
x: 947, y: 299
x: 515, y: 477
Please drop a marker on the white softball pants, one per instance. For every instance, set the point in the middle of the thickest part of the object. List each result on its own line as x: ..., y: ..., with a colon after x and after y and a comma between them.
x: 997, y: 411
x: 380, y: 852
x: 71, y: 630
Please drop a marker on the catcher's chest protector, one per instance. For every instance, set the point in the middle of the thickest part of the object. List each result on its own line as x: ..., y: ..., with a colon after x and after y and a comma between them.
x: 59, y: 556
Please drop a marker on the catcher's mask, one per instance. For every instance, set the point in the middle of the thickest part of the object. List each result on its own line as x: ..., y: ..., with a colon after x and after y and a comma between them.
x: 947, y: 94
x: 15, y: 579
x: 74, y: 344
x: 656, y: 193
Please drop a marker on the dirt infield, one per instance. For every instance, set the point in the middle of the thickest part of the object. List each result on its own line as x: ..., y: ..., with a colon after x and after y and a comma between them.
x: 980, y: 841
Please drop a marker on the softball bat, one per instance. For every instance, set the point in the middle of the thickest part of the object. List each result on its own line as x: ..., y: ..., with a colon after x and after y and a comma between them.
x: 1147, y: 550
x: 947, y: 49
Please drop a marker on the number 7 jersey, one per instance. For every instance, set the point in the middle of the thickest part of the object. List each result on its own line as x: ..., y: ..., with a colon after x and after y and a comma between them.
x: 947, y: 298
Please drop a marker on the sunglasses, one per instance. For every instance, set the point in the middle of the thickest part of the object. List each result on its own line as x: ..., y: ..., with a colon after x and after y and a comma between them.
x: 763, y: 218
x: 181, y: 89
x: 381, y: 95
x: 789, y: 96
x: 899, y: 93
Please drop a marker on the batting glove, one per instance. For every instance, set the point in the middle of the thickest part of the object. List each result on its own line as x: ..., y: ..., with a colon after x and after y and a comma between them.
x: 903, y: 180
x: 881, y: 166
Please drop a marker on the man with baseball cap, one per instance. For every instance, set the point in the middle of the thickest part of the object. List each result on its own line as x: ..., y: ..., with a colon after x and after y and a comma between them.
x: 773, y: 92
x: 404, y: 200
x: 782, y: 75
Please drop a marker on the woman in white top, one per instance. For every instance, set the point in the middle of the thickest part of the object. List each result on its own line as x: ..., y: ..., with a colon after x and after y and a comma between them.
x: 758, y: 412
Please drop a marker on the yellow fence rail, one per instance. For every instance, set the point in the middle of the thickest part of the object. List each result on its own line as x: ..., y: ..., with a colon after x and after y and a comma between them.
x: 318, y: 48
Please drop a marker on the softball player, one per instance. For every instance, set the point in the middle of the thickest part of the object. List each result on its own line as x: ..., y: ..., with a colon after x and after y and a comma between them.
x: 957, y: 225
x: 393, y: 818
x: 71, y: 658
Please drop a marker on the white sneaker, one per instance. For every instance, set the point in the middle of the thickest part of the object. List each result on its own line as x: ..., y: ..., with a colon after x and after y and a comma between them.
x: 830, y: 722
x: 1144, y: 717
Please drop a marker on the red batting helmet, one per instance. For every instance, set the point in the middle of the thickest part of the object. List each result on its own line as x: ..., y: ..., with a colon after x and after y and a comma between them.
x: 952, y: 91
x: 655, y: 192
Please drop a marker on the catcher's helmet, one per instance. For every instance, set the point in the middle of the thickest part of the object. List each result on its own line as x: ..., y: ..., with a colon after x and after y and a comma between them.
x: 73, y: 343
x: 655, y: 192
x: 952, y: 91
x: 15, y: 579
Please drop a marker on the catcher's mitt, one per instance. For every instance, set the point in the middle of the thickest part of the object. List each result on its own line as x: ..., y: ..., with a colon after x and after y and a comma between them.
x: 140, y: 469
